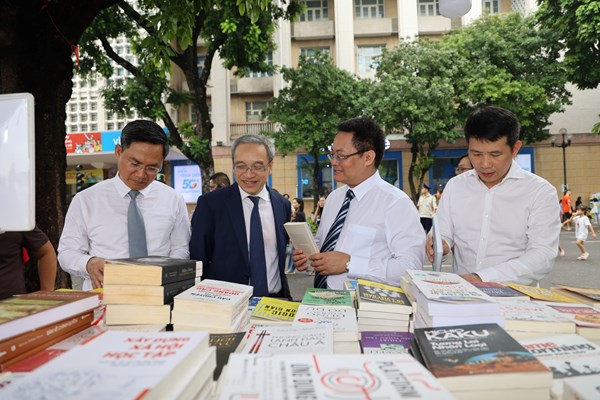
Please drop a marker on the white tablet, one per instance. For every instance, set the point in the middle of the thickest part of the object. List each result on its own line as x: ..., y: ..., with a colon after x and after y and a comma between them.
x: 438, y: 248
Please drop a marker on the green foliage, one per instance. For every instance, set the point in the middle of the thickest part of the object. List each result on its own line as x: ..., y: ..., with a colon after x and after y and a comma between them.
x: 193, y: 147
x: 577, y: 25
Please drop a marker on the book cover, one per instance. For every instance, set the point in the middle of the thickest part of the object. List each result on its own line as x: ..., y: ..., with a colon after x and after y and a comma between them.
x: 116, y: 365
x: 23, y: 313
x: 581, y: 388
x: 385, y: 342
x: 289, y: 340
x: 150, y: 270
x: 477, y: 357
x: 345, y: 326
x: 581, y: 314
x: 340, y: 376
x: 538, y: 293
x: 375, y: 296
x: 531, y: 316
x: 588, y: 296
x: 327, y: 297
x: 272, y: 309
x: 46, y: 335
x: 253, y: 302
x: 226, y: 343
x: 146, y: 294
x: 302, y: 237
x: 499, y: 291
x: 437, y: 320
x: 351, y: 284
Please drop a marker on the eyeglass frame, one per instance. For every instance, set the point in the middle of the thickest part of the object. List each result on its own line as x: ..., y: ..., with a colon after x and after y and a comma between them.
x: 460, y: 170
x: 256, y: 168
x: 342, y: 157
x: 150, y: 170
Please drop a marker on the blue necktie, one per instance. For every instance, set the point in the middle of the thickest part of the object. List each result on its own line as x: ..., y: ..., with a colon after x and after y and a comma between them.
x: 136, y: 232
x: 333, y: 236
x: 258, y: 264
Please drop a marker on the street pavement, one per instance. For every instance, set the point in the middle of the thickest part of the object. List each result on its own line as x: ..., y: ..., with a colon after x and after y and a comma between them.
x: 567, y: 269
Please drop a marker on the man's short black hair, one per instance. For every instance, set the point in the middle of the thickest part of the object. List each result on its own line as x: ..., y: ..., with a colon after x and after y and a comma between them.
x: 144, y: 131
x: 367, y: 135
x: 492, y: 123
x: 220, y: 179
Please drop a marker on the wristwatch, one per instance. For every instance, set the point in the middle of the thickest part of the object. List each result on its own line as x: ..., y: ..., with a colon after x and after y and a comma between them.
x: 348, y: 266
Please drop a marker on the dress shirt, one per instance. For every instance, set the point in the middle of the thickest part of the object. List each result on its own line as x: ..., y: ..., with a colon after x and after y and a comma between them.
x: 505, y: 233
x: 382, y: 232
x: 96, y: 225
x: 426, y: 205
x: 267, y: 220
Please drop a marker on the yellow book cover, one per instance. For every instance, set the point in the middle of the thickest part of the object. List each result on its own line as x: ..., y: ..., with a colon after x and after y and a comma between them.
x: 275, y: 309
x: 538, y: 293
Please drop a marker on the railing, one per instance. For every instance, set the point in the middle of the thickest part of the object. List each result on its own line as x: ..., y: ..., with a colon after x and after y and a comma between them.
x: 237, y: 129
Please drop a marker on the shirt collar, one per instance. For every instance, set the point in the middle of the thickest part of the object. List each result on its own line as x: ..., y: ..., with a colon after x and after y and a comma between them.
x: 263, y: 194
x: 363, y: 188
x: 124, y: 190
x: 515, y: 172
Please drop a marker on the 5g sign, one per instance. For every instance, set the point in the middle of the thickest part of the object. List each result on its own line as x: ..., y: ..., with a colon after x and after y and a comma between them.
x: 187, y: 180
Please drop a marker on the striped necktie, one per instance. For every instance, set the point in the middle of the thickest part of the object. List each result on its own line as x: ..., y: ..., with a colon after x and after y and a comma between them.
x: 333, y: 236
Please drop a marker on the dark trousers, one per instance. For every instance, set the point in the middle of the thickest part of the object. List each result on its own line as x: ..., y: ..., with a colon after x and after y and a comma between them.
x: 426, y: 222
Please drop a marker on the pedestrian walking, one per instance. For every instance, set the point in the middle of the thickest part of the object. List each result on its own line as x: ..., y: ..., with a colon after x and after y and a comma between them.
x: 582, y: 226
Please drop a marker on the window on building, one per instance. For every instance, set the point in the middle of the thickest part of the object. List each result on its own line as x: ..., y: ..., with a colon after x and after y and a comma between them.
x: 83, y: 84
x: 110, y: 126
x: 309, y: 52
x: 305, y: 177
x: 316, y: 10
x: 72, y: 128
x: 491, y: 6
x: 368, y: 57
x: 83, y: 107
x: 254, y: 110
x: 429, y: 8
x: 120, y: 71
x: 119, y: 50
x: 93, y: 117
x: 200, y: 63
x: 72, y: 107
x: 93, y: 106
x: 84, y: 128
x: 83, y: 117
x: 73, y: 118
x: 120, y: 125
x: 269, y: 61
x: 369, y: 8
x: 94, y: 127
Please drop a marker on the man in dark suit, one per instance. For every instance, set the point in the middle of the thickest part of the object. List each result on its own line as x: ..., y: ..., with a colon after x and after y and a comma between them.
x: 237, y: 232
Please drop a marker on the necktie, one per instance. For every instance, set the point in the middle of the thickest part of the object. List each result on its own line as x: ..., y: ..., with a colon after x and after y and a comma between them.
x: 258, y: 264
x: 136, y: 232
x: 333, y: 236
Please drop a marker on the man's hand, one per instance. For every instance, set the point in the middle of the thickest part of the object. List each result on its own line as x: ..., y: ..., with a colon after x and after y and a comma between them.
x: 330, y: 263
x: 429, y: 247
x: 471, y: 278
x: 300, y: 260
x: 95, y: 269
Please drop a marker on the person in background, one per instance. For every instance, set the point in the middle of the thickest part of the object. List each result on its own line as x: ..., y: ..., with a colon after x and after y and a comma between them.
x: 298, y: 215
x: 567, y: 208
x: 316, y: 217
x: 438, y: 193
x: 97, y: 225
x: 237, y: 232
x: 427, y: 205
x: 578, y: 202
x: 596, y: 211
x: 14, y: 247
x: 464, y: 165
x: 370, y: 229
x: 502, y: 221
x: 582, y: 225
x: 218, y: 180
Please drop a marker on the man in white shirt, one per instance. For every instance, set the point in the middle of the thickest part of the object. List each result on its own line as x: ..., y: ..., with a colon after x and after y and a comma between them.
x: 503, y: 222
x: 381, y: 236
x: 96, y: 225
x: 427, y: 205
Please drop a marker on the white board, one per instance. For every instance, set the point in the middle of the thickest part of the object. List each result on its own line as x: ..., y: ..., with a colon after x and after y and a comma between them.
x: 17, y: 162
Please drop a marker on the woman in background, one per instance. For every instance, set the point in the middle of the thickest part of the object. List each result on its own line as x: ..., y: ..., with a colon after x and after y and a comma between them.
x: 316, y: 217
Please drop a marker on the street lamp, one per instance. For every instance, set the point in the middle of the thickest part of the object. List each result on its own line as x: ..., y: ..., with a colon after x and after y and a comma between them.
x: 566, y: 142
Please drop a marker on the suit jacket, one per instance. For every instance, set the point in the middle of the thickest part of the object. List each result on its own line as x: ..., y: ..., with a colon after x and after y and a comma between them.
x: 219, y: 236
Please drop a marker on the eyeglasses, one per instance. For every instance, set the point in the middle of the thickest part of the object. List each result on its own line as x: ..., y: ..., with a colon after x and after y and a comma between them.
x: 341, y: 157
x: 256, y: 168
x: 150, y: 170
x: 460, y: 170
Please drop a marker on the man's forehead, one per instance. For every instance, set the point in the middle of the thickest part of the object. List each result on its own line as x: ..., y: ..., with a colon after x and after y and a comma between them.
x: 476, y: 143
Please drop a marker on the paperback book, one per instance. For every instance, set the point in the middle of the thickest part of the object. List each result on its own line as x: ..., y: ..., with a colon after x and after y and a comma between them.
x: 302, y: 238
x: 327, y: 297
x: 500, y: 292
x: 225, y: 343
x: 151, y: 270
x: 588, y: 296
x: 532, y: 316
x: 146, y: 294
x: 345, y: 327
x: 316, y: 339
x: 270, y: 310
x: 385, y: 342
x: 375, y: 296
x: 134, y: 314
x: 539, y: 293
x: 581, y: 314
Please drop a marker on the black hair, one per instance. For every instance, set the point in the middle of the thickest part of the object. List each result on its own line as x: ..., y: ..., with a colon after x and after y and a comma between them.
x: 367, y: 135
x: 220, y: 179
x: 144, y: 131
x: 492, y: 123
x: 300, y: 202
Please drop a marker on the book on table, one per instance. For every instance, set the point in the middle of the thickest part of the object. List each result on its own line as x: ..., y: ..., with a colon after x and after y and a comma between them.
x: 376, y: 296
x: 566, y: 356
x: 185, y: 321
x: 289, y: 340
x: 345, y: 326
x: 539, y: 293
x: 270, y: 311
x: 385, y: 342
x: 150, y: 295
x: 302, y: 238
x: 382, y: 315
x: 424, y: 320
x: 532, y: 316
x: 225, y: 343
x: 150, y: 270
x: 23, y: 313
x: 581, y: 388
x: 500, y: 292
x: 587, y: 296
x: 123, y: 365
x: 327, y: 297
x: 317, y: 376
x: 480, y: 357
x: 135, y: 314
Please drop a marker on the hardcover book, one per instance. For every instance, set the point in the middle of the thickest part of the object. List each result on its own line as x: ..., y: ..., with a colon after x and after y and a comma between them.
x: 345, y: 327
x: 23, y: 313
x: 500, y: 292
x: 480, y: 357
x: 226, y: 343
x: 327, y: 297
x: 146, y: 294
x: 289, y: 340
x: 532, y: 316
x: 270, y: 310
x: 375, y: 296
x: 385, y: 342
x: 119, y: 365
x: 151, y: 270
x: 316, y: 376
x: 538, y: 293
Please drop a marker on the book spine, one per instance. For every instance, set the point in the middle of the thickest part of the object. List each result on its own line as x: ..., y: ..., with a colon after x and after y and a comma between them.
x: 179, y: 272
x: 173, y: 289
x: 14, y: 347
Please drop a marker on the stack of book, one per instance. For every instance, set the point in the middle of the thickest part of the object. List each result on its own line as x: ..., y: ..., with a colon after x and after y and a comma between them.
x: 566, y: 356
x: 272, y: 311
x: 125, y: 365
x: 482, y: 362
x: 267, y: 340
x: 531, y: 319
x: 382, y: 307
x: 225, y: 344
x: 500, y: 292
x: 212, y: 306
x: 141, y: 290
x: 385, y: 342
x: 32, y: 322
x: 586, y: 319
x: 341, y: 376
x: 587, y: 296
x: 446, y: 299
